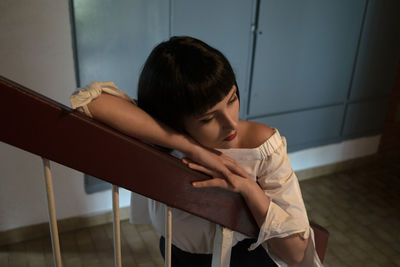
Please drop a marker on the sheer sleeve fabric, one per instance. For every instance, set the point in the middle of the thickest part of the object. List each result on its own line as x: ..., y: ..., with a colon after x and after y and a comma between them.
x: 286, y: 214
x: 83, y: 96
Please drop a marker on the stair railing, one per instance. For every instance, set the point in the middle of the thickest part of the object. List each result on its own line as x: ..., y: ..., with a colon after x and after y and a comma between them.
x: 44, y: 127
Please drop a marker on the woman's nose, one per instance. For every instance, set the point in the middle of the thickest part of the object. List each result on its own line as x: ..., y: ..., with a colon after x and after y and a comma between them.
x: 229, y: 121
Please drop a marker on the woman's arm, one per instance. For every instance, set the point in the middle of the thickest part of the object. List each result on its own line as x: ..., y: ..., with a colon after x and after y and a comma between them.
x: 290, y: 249
x: 133, y: 121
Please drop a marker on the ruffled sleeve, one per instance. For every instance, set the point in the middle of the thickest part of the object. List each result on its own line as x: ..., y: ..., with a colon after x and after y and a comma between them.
x: 286, y: 214
x: 83, y: 96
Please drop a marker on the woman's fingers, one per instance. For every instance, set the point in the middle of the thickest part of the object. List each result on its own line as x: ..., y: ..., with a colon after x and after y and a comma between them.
x: 235, y: 168
x: 215, y: 163
x: 215, y: 182
x: 198, y: 167
x: 226, y: 172
x: 232, y: 182
x: 185, y: 160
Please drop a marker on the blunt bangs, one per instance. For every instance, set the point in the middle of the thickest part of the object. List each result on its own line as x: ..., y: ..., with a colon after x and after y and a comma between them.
x: 183, y: 77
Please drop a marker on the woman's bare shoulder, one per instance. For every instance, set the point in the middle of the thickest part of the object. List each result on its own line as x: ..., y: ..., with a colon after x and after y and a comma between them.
x: 254, y: 133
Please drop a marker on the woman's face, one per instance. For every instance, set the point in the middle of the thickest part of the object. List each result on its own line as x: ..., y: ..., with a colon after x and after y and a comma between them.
x: 217, y: 127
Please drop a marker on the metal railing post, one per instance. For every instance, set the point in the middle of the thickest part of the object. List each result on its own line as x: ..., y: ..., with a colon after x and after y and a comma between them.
x: 55, y: 243
x: 116, y: 227
x: 168, y: 236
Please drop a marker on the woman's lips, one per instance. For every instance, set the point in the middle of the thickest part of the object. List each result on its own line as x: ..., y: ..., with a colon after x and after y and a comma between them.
x: 231, y: 137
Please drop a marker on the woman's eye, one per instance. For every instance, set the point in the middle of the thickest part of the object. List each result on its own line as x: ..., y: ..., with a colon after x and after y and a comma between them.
x: 233, y: 99
x: 206, y: 120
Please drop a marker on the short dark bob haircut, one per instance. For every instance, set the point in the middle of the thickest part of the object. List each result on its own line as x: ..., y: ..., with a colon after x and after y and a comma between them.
x: 182, y: 77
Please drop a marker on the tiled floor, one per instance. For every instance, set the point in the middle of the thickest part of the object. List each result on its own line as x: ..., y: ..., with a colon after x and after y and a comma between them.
x: 360, y: 208
x: 89, y: 247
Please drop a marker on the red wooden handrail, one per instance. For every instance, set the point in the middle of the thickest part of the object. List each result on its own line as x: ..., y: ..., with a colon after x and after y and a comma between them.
x: 44, y: 127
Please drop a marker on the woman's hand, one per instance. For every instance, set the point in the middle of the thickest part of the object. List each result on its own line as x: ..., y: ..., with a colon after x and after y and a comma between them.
x: 211, y: 159
x: 227, y: 174
x: 291, y: 248
x: 235, y: 179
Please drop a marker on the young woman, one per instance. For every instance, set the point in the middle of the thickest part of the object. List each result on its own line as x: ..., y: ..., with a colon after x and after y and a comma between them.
x: 188, y: 101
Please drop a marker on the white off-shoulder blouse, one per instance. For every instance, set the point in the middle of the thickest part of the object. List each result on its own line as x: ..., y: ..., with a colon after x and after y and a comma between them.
x: 268, y: 164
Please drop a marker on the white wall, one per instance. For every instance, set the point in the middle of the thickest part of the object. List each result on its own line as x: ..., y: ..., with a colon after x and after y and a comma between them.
x: 36, y: 51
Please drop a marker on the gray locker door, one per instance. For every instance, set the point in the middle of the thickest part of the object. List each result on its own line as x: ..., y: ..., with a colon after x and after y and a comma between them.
x: 113, y: 40
x: 379, y: 51
x: 365, y: 117
x: 375, y: 69
x: 308, y: 128
x: 305, y: 53
x: 304, y: 59
x: 225, y: 25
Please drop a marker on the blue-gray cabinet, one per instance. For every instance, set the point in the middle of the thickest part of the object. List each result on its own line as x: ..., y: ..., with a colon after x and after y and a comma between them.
x: 114, y: 38
x: 319, y: 71
x: 224, y: 24
x: 304, y: 54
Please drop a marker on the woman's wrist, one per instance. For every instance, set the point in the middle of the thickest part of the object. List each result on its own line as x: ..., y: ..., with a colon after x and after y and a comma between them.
x: 186, y: 145
x: 248, y: 187
x: 256, y: 200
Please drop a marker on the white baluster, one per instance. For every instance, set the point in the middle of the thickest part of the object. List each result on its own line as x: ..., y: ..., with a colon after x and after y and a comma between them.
x: 168, y: 237
x: 55, y: 243
x: 116, y: 227
x: 222, y: 247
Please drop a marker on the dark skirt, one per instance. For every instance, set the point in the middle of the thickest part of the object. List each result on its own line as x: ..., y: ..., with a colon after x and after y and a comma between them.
x: 240, y: 256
